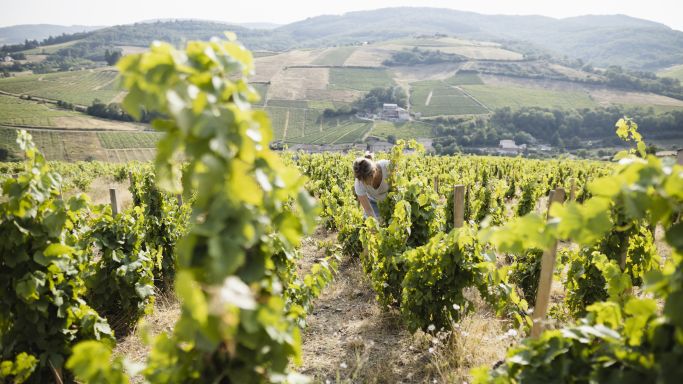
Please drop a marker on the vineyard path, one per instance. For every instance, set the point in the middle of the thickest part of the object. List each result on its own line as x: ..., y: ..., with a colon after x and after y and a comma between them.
x: 350, y: 335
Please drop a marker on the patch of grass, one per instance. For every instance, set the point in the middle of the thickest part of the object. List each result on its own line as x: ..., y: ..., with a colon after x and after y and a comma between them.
x: 403, y: 130
x: 464, y: 77
x: 359, y: 79
x: 515, y: 97
x: 15, y: 111
x: 334, y: 56
x: 675, y: 72
x: 124, y: 140
x: 78, y: 87
x: 444, y: 100
x: 320, y: 104
x: 262, y: 90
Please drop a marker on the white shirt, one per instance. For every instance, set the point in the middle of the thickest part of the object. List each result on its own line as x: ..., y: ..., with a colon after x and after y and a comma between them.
x: 373, y: 194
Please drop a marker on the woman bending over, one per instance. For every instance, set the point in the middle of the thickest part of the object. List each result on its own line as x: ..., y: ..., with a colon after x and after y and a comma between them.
x: 371, y: 183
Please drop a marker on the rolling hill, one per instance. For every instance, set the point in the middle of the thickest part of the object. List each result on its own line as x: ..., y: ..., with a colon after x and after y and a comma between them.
x: 599, y: 40
x: 18, y: 33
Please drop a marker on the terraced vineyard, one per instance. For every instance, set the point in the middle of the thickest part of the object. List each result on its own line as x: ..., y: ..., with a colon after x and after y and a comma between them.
x: 56, y: 146
x: 359, y: 79
x: 464, y: 78
x: 15, y: 111
x: 334, y: 56
x: 125, y: 140
x: 436, y: 98
x: 509, y: 96
x: 78, y: 87
x: 348, y: 131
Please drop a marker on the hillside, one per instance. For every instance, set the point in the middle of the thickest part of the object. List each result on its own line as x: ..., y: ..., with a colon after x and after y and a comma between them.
x: 601, y: 40
x: 598, y: 40
x: 18, y: 33
x: 302, y: 90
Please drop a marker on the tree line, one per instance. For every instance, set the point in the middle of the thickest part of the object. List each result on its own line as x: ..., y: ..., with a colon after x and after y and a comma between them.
x: 562, y: 128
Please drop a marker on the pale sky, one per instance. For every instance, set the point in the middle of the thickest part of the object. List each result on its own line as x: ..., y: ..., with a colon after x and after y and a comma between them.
x: 99, y: 12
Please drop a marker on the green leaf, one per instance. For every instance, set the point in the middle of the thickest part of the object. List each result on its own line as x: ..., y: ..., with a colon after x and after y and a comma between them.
x: 54, y: 250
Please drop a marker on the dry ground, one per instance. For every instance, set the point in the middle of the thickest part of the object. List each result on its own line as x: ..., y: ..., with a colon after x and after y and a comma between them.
x: 293, y: 83
x: 368, y: 56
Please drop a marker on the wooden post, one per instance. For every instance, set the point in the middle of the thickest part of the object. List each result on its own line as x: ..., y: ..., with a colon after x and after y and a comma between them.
x: 572, y: 190
x: 114, y: 201
x: 550, y: 202
x: 458, y: 206
x: 436, y: 184
x: 130, y: 178
x: 680, y: 157
x: 179, y: 197
x: 546, y: 279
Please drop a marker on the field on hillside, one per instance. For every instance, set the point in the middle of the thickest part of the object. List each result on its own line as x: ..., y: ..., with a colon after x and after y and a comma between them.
x: 50, y: 49
x: 436, y: 98
x: 464, y: 78
x: 334, y: 56
x: 359, y: 79
x: 476, y: 50
x: 58, y: 146
x: 126, y: 140
x: 515, y: 97
x: 334, y: 132
x: 77, y: 87
x: 15, y: 111
x: 675, y: 72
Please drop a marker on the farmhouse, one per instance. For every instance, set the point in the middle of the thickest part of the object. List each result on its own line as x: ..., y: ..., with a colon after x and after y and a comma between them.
x: 508, y: 147
x: 394, y: 112
x: 7, y: 59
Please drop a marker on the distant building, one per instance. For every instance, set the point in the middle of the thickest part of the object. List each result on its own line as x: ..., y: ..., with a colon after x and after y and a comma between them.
x: 509, y: 147
x: 394, y: 112
x: 8, y: 59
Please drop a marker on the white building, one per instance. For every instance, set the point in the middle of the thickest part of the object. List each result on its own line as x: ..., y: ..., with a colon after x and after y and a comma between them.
x: 394, y: 112
x: 8, y: 59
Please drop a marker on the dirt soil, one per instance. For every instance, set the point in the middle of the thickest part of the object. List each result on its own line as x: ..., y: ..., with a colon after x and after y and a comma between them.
x: 349, y: 338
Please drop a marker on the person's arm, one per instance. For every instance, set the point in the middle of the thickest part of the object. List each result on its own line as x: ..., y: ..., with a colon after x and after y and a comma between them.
x: 365, y: 203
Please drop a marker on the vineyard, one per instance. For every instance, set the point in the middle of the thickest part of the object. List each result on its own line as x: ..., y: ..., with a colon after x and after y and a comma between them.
x: 78, y: 87
x: 219, y: 220
x: 436, y: 98
x: 18, y: 112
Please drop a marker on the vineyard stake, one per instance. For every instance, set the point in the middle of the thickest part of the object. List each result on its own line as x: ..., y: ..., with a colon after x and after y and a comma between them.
x: 680, y: 157
x: 550, y: 202
x: 546, y: 279
x: 572, y: 190
x: 114, y: 201
x: 130, y: 178
x: 458, y: 205
x: 179, y: 197
x: 436, y: 184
